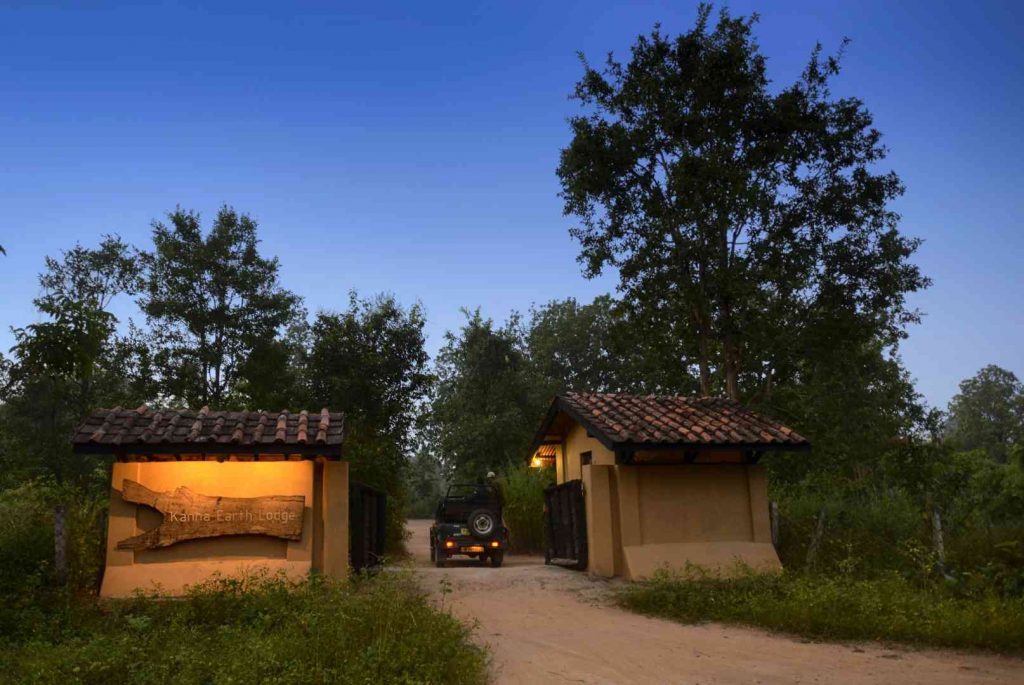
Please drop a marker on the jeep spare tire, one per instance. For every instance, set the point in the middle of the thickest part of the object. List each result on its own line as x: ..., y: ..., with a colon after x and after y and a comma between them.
x: 483, y: 523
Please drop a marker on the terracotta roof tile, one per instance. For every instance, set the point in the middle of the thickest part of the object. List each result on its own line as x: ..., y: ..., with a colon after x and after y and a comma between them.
x: 142, y: 429
x: 547, y: 451
x: 673, y: 419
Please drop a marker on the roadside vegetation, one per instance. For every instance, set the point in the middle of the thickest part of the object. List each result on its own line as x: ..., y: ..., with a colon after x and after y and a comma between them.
x: 248, y: 630
x: 887, y: 607
x: 256, y: 629
x: 523, y: 488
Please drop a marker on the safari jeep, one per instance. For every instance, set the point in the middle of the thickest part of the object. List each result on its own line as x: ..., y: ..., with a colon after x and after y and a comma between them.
x: 468, y: 521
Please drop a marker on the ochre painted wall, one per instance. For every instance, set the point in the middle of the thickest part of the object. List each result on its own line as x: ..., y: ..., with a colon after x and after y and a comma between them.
x: 693, y: 504
x: 641, y: 518
x: 171, y: 569
x: 577, y: 442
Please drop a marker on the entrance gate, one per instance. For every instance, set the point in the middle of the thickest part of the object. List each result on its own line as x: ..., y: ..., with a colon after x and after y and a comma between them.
x: 565, y: 518
x: 367, y: 512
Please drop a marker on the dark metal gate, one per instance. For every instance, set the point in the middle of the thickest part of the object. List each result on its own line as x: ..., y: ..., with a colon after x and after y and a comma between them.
x: 367, y: 512
x: 565, y: 517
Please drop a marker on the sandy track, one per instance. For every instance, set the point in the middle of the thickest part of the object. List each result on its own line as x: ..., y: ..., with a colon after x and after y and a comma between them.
x: 547, y: 625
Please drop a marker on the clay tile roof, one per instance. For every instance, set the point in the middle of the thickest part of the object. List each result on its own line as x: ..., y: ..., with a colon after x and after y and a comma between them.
x: 547, y: 451
x: 654, y: 420
x: 181, y: 430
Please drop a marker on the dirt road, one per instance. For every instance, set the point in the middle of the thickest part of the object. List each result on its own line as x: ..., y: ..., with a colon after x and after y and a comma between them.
x: 548, y: 625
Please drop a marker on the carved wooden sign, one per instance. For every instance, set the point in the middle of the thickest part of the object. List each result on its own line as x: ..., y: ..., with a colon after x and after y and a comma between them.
x: 188, y: 516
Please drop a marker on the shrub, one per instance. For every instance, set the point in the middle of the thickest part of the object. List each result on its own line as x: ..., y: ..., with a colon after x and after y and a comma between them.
x: 255, y: 629
x: 887, y: 607
x: 27, y: 540
x: 422, y: 507
x: 26, y: 536
x: 523, y: 490
x: 879, y: 532
x: 867, y: 531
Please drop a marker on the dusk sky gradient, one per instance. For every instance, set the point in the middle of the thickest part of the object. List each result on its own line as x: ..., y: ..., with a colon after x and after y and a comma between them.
x: 412, y: 148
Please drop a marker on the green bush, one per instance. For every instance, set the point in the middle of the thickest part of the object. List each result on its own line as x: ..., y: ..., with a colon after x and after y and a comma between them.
x: 422, y: 508
x: 26, y: 536
x: 867, y: 531
x: 253, y: 630
x: 887, y: 607
x: 987, y: 560
x: 876, y: 533
x: 523, y: 490
x: 27, y: 539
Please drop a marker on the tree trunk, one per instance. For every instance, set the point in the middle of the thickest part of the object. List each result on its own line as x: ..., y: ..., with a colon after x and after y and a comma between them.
x: 703, y: 354
x: 812, y: 549
x: 60, y: 544
x: 732, y: 370
x: 938, y: 543
x: 703, y: 350
x: 773, y: 515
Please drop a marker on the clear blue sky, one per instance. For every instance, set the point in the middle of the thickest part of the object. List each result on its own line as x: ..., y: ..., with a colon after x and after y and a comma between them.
x: 411, y: 148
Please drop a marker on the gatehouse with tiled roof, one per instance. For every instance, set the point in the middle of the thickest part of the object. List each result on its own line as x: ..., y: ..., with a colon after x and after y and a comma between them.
x: 200, y: 492
x: 651, y: 481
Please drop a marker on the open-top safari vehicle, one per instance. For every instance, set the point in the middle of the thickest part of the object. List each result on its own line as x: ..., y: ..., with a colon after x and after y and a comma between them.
x: 468, y: 521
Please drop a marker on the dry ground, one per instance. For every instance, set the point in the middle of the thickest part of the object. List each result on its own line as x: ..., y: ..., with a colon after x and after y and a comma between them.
x: 547, y: 625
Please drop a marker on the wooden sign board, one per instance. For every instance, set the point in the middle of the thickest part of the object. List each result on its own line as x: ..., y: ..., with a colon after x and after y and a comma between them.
x: 188, y: 516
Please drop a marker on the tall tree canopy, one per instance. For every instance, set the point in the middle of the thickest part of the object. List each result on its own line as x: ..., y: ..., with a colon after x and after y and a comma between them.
x: 495, y: 380
x: 71, y: 361
x: 600, y: 347
x: 988, y: 413
x: 486, y: 404
x: 575, y: 346
x: 210, y: 300
x: 370, y: 361
x: 736, y: 214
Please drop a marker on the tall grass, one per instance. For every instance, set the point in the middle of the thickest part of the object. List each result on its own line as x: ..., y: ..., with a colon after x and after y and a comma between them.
x: 523, y: 490
x: 887, y: 607
x: 258, y: 629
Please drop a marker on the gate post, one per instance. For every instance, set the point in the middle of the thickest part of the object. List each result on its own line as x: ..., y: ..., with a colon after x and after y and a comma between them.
x: 597, y: 488
x: 335, y: 504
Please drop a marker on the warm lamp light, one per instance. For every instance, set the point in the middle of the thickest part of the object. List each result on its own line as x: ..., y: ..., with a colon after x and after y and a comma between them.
x: 536, y: 463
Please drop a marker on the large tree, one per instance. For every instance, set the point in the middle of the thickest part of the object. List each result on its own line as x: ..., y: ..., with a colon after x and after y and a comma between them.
x: 735, y: 212
x: 600, y: 347
x: 572, y: 346
x: 369, y: 360
x: 71, y: 361
x: 211, y: 301
x: 487, y: 402
x: 988, y: 413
